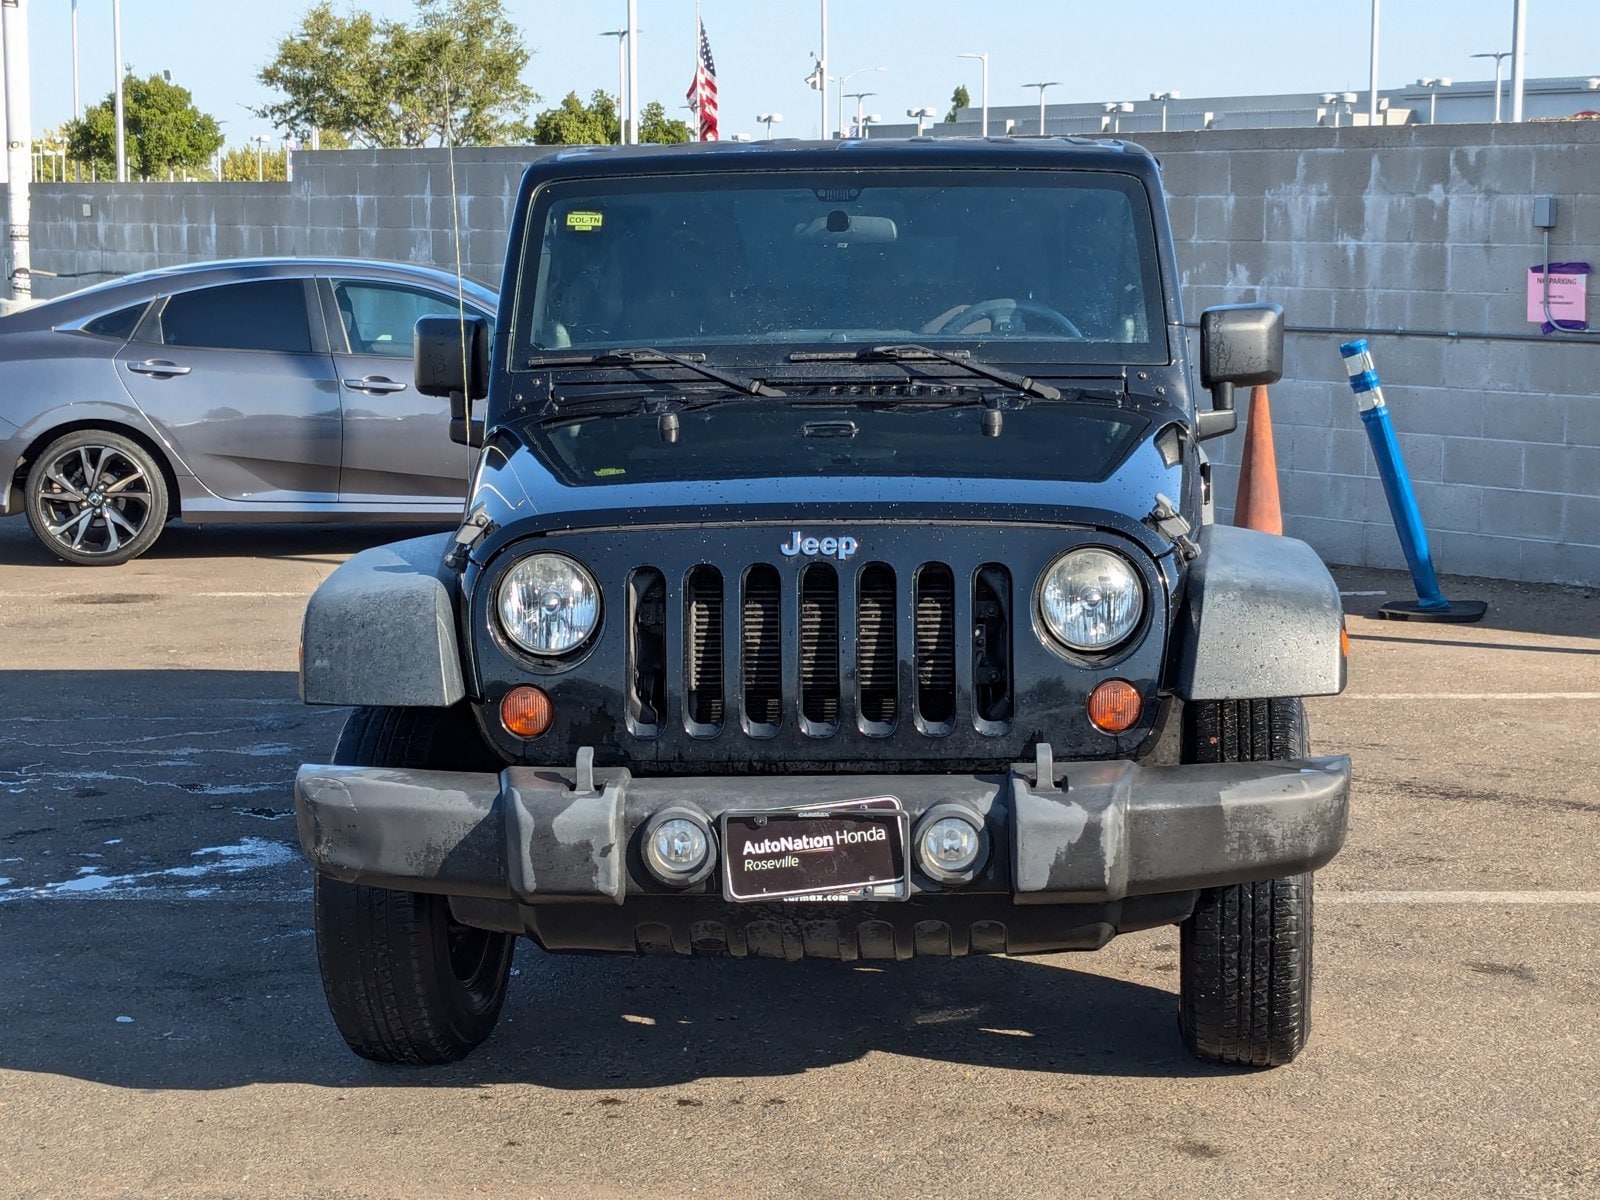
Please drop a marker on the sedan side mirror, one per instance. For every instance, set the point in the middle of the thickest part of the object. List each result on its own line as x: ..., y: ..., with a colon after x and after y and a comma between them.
x: 452, y: 359
x: 1241, y: 345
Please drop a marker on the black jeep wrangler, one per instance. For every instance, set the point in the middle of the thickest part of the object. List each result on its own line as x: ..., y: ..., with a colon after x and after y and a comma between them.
x: 837, y: 579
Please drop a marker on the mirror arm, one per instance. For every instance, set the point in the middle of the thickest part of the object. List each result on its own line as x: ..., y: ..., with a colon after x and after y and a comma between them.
x: 1222, y: 418
x: 464, y: 431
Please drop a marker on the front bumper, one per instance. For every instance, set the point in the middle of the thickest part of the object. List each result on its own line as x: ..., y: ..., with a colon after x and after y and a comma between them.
x: 1088, y: 835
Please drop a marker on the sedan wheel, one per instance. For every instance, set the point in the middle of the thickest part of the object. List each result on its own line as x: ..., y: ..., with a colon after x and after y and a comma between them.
x: 96, y: 498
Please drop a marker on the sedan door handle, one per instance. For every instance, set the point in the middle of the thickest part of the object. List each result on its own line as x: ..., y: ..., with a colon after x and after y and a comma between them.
x: 374, y: 383
x: 158, y: 366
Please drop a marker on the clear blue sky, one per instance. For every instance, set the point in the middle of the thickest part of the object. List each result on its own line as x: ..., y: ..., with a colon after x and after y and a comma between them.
x: 1104, y: 50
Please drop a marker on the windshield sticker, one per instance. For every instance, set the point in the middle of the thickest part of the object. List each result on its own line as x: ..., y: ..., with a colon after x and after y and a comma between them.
x: 586, y: 222
x: 607, y: 472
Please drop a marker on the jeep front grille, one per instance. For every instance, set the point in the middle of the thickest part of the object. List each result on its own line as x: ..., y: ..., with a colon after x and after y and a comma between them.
x: 868, y: 647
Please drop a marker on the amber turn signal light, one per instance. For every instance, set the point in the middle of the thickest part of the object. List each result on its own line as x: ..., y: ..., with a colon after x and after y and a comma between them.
x: 526, y: 712
x: 1114, y: 706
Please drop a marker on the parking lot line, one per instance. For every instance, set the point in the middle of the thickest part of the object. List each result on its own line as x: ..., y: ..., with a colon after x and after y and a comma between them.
x: 1462, y: 897
x: 1472, y: 695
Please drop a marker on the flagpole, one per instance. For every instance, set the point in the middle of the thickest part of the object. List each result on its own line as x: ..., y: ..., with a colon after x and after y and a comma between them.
x: 694, y: 104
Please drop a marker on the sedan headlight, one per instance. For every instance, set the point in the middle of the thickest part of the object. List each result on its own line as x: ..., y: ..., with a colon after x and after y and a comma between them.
x: 549, y: 604
x: 1091, y: 599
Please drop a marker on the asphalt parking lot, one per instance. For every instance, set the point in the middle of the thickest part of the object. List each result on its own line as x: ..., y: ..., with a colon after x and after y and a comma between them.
x: 165, y: 1033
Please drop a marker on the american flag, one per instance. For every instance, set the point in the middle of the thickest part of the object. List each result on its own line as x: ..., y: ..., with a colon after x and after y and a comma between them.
x: 702, y: 93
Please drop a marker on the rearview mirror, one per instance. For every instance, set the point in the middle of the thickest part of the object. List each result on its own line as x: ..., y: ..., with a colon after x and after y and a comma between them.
x: 1241, y: 345
x: 451, y: 358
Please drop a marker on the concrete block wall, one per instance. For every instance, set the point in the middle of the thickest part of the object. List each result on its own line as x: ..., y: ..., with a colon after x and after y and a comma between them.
x: 1406, y: 235
x: 1403, y: 234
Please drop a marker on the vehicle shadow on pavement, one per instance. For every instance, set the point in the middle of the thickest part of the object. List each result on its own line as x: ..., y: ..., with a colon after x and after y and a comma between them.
x: 162, y: 994
x: 288, y: 542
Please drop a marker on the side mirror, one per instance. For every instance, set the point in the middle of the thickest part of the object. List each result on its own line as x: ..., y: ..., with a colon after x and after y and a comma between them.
x: 451, y: 358
x: 1241, y: 345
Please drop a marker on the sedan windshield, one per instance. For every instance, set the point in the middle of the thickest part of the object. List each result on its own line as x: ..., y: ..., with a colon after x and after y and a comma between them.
x: 1041, y: 266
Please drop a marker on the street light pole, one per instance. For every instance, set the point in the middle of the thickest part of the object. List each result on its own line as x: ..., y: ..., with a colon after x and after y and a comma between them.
x: 1041, y: 87
x: 1164, y: 97
x: 116, y: 103
x: 1433, y: 85
x: 767, y: 119
x: 1519, y: 54
x: 77, y: 111
x: 622, y: 82
x: 844, y: 79
x: 984, y: 58
x: 822, y: 74
x: 633, y: 72
x: 858, y: 97
x: 19, y: 148
x: 1372, y: 76
x: 1497, y: 55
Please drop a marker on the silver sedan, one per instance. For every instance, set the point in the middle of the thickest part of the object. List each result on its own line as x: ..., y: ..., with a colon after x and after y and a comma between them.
x: 260, y: 390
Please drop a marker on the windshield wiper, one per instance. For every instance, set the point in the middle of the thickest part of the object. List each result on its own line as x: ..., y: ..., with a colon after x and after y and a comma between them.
x: 910, y: 353
x: 646, y: 356
x: 624, y: 404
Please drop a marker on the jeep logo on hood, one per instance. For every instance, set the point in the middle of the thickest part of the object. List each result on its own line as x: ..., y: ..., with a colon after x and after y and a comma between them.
x: 829, y: 547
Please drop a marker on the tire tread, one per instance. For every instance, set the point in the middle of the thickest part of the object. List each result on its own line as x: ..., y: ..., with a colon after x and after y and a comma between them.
x: 1245, y: 953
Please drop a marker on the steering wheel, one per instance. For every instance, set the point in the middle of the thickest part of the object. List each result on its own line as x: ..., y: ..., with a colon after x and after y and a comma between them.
x: 1002, y: 311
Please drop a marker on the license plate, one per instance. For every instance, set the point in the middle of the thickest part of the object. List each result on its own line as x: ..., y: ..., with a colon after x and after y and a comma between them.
x: 858, y: 848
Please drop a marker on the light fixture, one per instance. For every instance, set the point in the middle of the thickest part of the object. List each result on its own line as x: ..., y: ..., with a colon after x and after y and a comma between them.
x: 678, y: 847
x: 951, y: 843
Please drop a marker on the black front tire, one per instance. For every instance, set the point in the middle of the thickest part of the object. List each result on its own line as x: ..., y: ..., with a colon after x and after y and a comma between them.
x: 405, y: 982
x: 1245, y: 952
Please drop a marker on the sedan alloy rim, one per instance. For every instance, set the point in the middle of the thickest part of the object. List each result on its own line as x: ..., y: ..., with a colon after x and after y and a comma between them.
x: 95, y: 500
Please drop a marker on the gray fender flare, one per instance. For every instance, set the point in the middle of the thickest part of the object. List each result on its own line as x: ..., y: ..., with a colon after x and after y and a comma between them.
x: 381, y: 630
x: 1261, y: 617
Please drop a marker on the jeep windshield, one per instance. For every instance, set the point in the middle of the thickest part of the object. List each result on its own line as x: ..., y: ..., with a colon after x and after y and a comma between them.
x: 752, y: 266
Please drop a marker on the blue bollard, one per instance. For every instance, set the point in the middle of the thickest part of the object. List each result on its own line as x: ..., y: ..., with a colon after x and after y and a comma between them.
x: 1430, y: 604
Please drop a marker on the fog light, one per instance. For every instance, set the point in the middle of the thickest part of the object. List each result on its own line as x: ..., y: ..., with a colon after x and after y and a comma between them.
x: 678, y: 848
x: 951, y: 843
x: 526, y: 712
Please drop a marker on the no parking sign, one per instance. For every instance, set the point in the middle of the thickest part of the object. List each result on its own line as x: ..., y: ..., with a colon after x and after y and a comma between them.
x: 1567, y: 296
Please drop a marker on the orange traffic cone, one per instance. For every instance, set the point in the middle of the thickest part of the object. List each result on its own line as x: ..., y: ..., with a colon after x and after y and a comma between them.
x: 1257, y: 505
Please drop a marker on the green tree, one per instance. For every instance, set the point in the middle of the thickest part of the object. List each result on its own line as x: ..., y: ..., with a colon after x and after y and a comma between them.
x: 655, y: 126
x: 239, y: 165
x: 452, y: 76
x: 163, y: 131
x: 574, y: 123
x: 959, y: 99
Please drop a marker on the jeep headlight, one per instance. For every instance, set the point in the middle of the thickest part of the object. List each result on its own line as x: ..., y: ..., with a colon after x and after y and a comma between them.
x: 1091, y: 599
x: 548, y: 604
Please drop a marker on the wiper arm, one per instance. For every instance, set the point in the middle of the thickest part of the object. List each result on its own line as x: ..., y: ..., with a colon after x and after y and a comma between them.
x: 645, y: 356
x: 910, y: 353
x: 623, y: 404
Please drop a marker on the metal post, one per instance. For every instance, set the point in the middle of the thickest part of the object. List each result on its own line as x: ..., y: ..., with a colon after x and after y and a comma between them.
x: 77, y: 109
x: 1497, y: 58
x: 633, y: 72
x: 1430, y: 604
x: 822, y: 73
x: 986, y: 95
x: 19, y: 148
x: 118, y: 114
x: 1519, y: 53
x: 1372, y: 76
